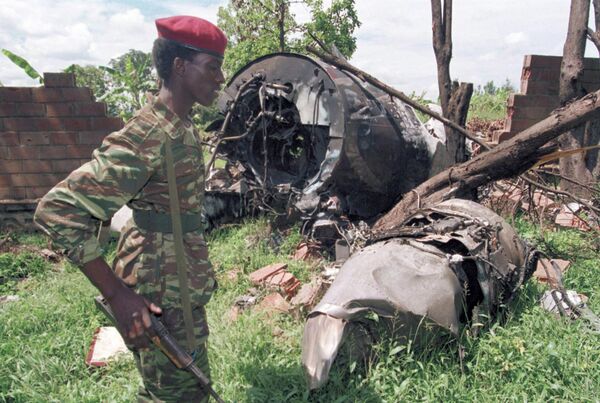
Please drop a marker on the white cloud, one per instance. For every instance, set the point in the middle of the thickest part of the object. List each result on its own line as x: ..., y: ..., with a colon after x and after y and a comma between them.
x: 514, y: 38
x: 490, y: 38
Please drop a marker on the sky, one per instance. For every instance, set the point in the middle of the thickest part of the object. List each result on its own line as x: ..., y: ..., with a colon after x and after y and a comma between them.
x: 394, y: 42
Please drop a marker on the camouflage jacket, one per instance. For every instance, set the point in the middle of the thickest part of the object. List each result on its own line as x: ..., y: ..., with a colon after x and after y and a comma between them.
x: 129, y: 168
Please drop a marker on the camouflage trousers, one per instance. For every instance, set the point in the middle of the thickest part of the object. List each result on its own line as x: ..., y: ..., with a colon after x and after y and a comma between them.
x: 162, y: 380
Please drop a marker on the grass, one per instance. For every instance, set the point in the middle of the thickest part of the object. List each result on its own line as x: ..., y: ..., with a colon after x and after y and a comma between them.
x: 530, y: 355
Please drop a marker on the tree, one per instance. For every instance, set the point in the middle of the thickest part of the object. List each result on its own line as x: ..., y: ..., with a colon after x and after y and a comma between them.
x: 130, y: 77
x: 259, y: 27
x: 583, y: 166
x: 454, y: 97
x: 91, y: 77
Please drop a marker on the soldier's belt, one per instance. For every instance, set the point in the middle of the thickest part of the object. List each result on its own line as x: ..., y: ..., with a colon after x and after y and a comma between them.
x: 161, y: 222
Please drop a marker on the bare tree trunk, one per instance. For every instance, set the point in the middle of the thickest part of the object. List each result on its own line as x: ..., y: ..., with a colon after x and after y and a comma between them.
x: 454, y: 98
x: 570, y: 87
x: 442, y: 47
x: 509, y: 158
x: 281, y: 25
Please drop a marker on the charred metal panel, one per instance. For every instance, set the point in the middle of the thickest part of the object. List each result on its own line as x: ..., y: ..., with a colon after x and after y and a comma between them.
x: 448, y: 265
x: 324, y: 132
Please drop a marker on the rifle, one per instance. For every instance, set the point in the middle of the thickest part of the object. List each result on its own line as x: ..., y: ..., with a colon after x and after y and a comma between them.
x: 167, y: 344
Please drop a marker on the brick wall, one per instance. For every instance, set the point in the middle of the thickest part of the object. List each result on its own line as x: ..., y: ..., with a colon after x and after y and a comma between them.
x: 46, y: 132
x: 540, y: 78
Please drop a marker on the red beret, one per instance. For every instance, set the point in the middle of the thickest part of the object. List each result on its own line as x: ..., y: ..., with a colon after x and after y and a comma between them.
x: 194, y: 33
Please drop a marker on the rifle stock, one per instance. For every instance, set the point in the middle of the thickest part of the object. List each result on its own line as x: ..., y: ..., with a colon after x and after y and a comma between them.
x: 162, y: 339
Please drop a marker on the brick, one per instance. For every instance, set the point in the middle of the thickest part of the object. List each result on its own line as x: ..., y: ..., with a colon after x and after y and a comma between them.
x: 64, y: 138
x: 43, y: 94
x: 30, y: 109
x: 8, y: 109
x: 60, y: 152
x: 10, y: 167
x: 36, y: 166
x: 77, y: 124
x: 540, y: 74
x: 517, y: 125
x: 34, y: 138
x: 262, y: 274
x: 22, y: 152
x: 541, y: 61
x: 532, y: 101
x: 38, y: 192
x: 13, y: 193
x: 32, y: 124
x: 95, y: 138
x: 9, y: 139
x: 59, y: 80
x: 61, y: 109
x: 91, y: 109
x: 76, y: 109
x: 533, y: 113
x: 109, y: 124
x: 591, y: 63
x: 27, y: 180
x: 15, y: 94
x: 66, y: 166
x: 590, y: 86
x: 540, y: 88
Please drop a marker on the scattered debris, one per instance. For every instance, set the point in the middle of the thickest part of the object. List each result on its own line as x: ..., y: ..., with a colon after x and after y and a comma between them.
x: 307, y: 251
x: 107, y: 345
x: 567, y: 217
x: 550, y: 298
x: 8, y: 298
x: 233, y: 274
x: 274, y: 303
x: 274, y: 275
x: 260, y: 276
x: 446, y: 266
x: 342, y: 250
x: 50, y: 255
x: 309, y: 294
x: 330, y: 272
x: 550, y: 277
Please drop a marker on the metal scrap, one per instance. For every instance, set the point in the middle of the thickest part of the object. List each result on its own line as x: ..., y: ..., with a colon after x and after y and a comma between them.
x: 450, y: 265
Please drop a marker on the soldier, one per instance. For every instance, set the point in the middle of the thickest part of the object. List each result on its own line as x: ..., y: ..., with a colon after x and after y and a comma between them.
x: 130, y: 167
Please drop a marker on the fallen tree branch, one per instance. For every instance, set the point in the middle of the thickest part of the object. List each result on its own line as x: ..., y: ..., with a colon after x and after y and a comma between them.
x: 508, y: 159
x: 566, y: 178
x: 561, y: 192
x: 344, y: 65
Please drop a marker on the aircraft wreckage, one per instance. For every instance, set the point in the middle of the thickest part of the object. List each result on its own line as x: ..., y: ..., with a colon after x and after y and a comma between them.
x: 304, y: 139
x: 307, y: 137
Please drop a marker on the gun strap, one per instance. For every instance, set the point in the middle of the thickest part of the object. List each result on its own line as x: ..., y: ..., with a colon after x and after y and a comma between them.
x: 180, y: 259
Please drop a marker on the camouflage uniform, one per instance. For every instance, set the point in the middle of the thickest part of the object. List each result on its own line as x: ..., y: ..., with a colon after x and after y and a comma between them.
x: 129, y: 167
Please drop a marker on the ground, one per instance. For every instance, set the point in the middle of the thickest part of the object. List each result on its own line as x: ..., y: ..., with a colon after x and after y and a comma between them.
x: 530, y: 355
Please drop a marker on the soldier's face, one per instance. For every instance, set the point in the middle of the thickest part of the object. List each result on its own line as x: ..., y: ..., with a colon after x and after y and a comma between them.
x: 203, y: 78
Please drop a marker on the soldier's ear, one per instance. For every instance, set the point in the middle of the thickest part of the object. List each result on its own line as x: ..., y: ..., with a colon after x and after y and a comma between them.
x: 178, y: 66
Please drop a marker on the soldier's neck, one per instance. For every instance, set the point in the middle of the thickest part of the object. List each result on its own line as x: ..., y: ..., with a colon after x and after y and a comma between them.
x: 180, y: 106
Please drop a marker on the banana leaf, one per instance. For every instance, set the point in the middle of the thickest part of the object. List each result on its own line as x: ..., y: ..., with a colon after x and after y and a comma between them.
x: 24, y: 65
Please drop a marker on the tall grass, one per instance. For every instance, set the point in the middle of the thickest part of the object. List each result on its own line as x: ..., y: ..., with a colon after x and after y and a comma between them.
x: 530, y: 355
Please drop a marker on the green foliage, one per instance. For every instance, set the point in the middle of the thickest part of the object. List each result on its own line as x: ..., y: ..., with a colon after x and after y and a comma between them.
x: 24, y: 65
x: 255, y: 29
x: 529, y: 356
x: 130, y: 77
x: 92, y: 77
x: 489, y: 102
x: 14, y: 268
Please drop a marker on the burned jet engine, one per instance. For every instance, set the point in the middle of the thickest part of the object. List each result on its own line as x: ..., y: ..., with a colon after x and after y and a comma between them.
x: 304, y: 131
x: 448, y: 265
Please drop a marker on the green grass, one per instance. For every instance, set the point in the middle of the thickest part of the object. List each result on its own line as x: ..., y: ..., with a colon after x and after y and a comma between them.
x: 530, y: 355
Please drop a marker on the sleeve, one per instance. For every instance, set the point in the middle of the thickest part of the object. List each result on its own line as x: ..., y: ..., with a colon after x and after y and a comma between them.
x: 119, y: 168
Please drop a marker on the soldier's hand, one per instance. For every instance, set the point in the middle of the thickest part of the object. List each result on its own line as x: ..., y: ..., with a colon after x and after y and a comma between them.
x: 132, y: 313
